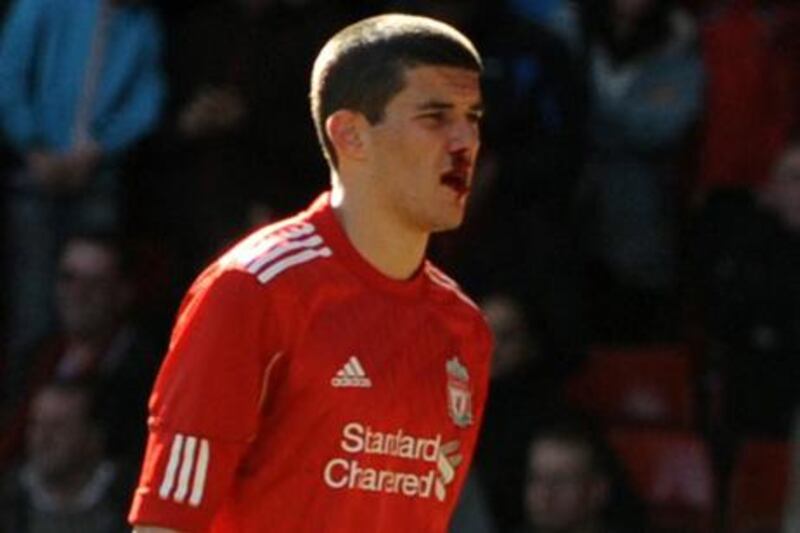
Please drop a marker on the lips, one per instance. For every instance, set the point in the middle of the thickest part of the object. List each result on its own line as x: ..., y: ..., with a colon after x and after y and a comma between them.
x: 456, y: 181
x: 457, y: 178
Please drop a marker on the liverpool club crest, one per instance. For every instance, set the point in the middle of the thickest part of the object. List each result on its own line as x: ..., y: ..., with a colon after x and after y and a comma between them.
x: 459, y: 393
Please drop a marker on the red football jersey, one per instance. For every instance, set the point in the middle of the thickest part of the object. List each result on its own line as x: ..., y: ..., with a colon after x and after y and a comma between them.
x: 305, y: 391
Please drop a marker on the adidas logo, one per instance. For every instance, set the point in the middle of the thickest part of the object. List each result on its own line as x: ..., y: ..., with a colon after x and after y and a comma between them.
x: 351, y: 375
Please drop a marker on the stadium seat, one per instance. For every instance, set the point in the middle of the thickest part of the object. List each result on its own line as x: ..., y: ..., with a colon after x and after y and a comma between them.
x: 672, y: 471
x: 759, y: 486
x: 652, y: 385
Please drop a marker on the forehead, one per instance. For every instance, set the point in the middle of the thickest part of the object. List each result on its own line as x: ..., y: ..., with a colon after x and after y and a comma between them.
x: 502, y: 310
x: 554, y: 454
x: 458, y: 86
x: 84, y: 254
x: 56, y: 402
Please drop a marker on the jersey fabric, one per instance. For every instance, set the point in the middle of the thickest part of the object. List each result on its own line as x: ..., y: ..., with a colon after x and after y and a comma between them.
x: 305, y: 391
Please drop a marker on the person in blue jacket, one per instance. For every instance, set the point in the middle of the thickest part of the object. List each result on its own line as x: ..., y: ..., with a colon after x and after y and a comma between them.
x: 80, y: 84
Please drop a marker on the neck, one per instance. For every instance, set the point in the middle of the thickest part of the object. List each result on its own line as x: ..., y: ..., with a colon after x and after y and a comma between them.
x: 66, y: 488
x: 391, y: 247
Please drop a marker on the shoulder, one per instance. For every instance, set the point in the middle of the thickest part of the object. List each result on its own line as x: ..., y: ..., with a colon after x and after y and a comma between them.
x: 448, y: 295
x: 276, y: 253
x: 445, y: 286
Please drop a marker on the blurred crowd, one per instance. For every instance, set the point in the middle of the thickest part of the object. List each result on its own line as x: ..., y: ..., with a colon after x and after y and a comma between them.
x: 637, y: 200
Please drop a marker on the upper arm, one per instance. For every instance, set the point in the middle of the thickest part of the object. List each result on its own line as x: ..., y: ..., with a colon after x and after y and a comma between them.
x: 221, y: 345
x: 205, y: 407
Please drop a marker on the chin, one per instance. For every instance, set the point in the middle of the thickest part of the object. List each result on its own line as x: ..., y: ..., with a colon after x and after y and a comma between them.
x: 447, y: 225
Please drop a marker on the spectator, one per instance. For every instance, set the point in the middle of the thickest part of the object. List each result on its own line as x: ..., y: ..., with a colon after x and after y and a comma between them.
x: 572, y: 485
x: 646, y: 87
x: 66, y: 483
x: 525, y: 394
x: 97, y: 339
x: 81, y: 84
x: 747, y: 252
x: 514, y: 342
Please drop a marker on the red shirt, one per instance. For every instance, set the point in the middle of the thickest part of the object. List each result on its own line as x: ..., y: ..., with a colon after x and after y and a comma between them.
x: 305, y: 391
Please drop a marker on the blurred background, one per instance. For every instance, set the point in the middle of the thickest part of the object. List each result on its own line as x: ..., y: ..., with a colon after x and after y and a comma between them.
x: 633, y: 238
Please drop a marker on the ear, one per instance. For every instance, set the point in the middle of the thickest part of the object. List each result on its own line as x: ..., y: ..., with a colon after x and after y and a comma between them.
x: 345, y: 129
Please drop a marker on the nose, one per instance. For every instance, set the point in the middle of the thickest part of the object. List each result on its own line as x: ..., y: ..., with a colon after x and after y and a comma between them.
x: 464, y: 135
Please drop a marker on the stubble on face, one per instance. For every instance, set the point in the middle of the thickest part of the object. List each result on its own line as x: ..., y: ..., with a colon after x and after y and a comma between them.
x: 426, y: 146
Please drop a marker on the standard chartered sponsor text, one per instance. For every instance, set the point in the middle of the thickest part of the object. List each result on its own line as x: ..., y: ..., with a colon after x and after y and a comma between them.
x: 362, y: 440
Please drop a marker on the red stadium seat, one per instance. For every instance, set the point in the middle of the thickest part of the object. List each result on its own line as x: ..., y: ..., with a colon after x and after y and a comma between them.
x: 651, y: 385
x: 672, y: 472
x: 759, y: 486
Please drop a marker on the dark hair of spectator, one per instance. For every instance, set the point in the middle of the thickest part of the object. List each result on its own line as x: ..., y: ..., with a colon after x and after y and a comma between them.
x: 362, y: 67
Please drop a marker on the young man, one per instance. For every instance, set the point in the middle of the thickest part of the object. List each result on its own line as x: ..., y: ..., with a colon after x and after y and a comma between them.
x: 322, y: 376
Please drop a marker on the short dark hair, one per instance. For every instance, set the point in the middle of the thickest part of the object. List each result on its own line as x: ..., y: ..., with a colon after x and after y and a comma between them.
x: 363, y: 66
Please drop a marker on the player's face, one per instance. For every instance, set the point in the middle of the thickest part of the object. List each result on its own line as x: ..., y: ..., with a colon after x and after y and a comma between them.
x: 422, y: 154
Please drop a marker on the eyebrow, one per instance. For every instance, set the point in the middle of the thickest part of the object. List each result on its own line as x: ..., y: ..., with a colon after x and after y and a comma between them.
x: 437, y: 105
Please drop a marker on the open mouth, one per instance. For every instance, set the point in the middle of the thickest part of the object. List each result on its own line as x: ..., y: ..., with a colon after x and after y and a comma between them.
x: 456, y: 181
x: 457, y: 178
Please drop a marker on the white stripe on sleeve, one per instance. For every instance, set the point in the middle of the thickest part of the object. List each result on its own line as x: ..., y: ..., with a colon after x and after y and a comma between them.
x: 172, y: 466
x: 187, y: 463
x: 200, y: 471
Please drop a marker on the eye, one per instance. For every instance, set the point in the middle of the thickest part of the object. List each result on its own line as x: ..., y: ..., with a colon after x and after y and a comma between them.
x: 434, y: 117
x: 475, y: 118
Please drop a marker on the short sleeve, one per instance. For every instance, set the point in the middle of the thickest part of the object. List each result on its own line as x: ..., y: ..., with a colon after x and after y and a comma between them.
x: 205, y: 406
